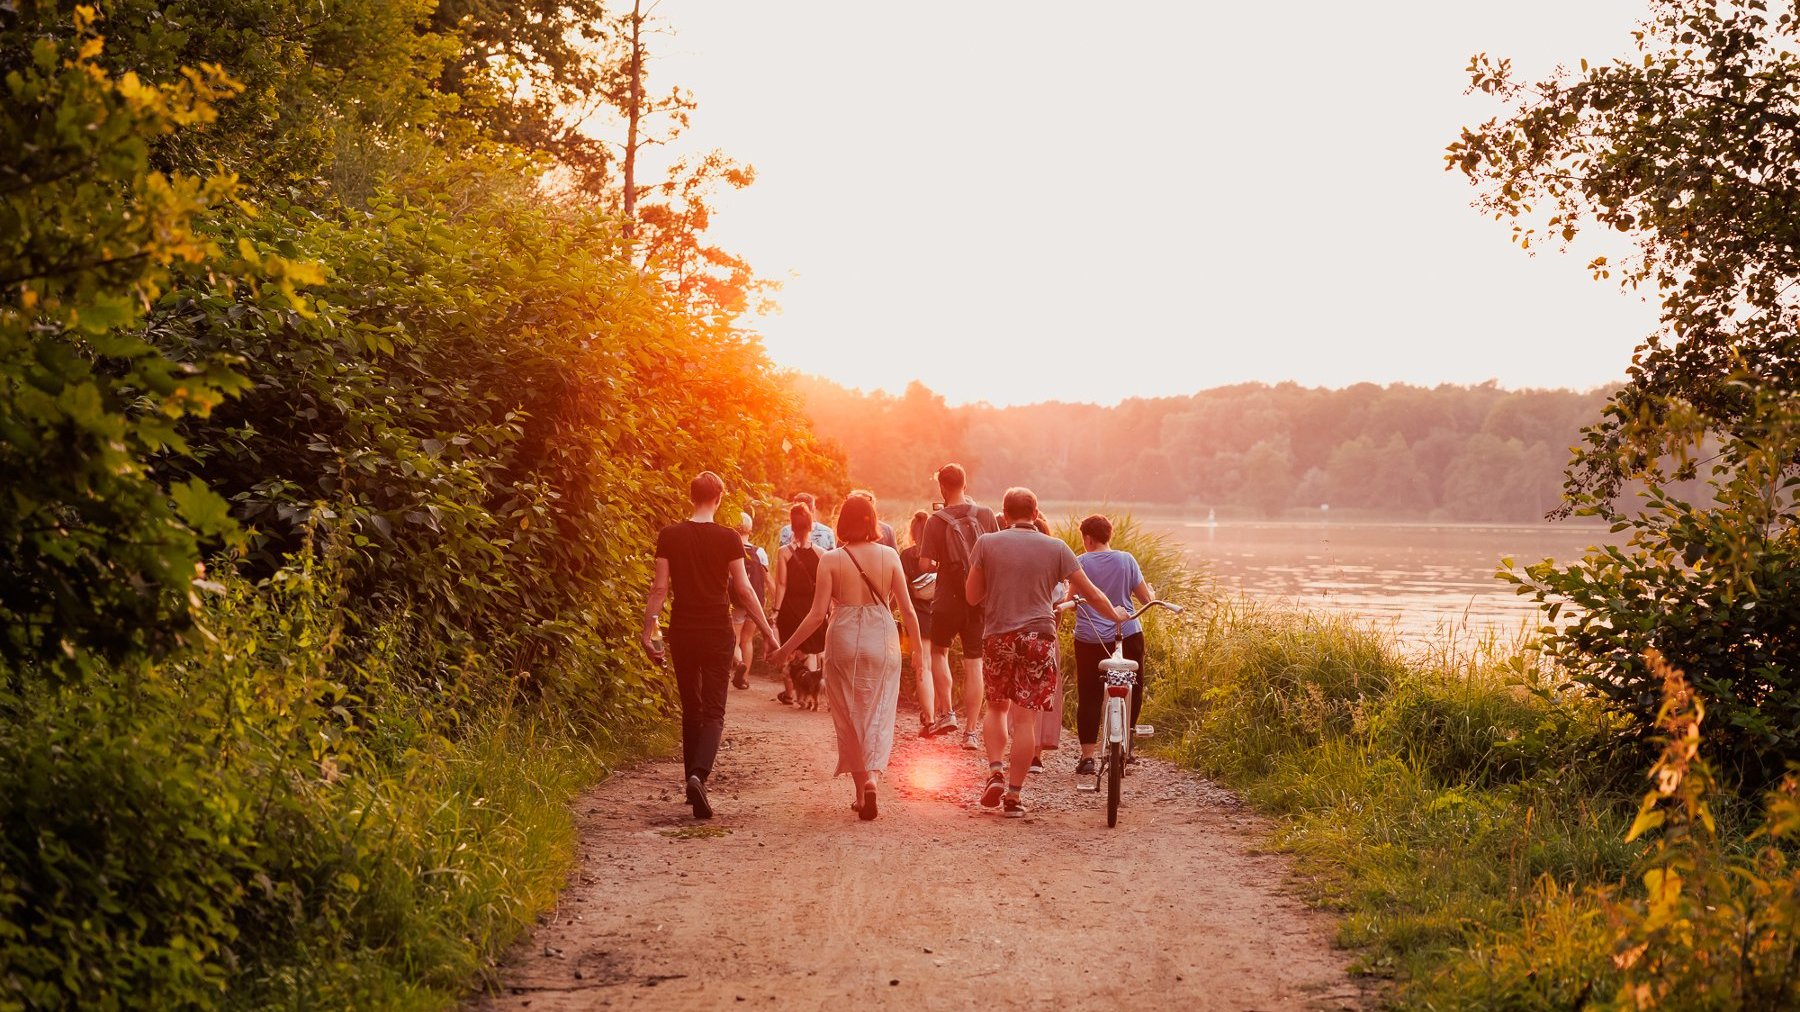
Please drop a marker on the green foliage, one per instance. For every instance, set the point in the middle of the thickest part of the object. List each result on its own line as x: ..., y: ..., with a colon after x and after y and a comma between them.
x: 296, y: 313
x: 96, y: 553
x: 1689, y: 148
x: 1711, y: 586
x: 1430, y: 799
x: 274, y: 821
x: 1715, y: 924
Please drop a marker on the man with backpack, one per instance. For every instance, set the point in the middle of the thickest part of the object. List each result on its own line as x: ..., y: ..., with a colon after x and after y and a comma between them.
x: 950, y: 536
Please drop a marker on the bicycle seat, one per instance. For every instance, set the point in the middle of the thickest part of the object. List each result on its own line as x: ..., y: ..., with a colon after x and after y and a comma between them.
x: 1118, y: 664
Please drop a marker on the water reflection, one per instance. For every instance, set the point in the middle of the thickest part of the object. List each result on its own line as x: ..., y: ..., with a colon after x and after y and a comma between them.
x: 1421, y: 579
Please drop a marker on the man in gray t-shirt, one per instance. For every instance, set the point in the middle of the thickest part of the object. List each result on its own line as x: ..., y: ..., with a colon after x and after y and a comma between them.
x: 1013, y: 575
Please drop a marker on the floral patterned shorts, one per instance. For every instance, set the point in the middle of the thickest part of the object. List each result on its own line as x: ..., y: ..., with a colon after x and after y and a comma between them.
x: 1020, y: 667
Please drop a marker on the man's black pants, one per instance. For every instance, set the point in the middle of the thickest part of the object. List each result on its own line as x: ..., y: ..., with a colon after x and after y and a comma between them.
x: 702, y: 661
x: 1089, y: 696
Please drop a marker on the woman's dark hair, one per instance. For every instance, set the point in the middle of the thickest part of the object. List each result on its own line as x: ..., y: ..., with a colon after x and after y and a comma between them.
x: 800, y: 521
x: 1042, y: 525
x: 915, y: 532
x: 1097, y: 527
x: 857, y: 521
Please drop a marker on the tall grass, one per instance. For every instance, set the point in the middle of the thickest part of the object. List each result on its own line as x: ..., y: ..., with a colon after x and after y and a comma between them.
x: 281, y: 820
x: 1437, y: 802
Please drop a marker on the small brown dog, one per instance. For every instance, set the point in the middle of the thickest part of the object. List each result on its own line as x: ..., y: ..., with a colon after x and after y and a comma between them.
x: 807, y: 684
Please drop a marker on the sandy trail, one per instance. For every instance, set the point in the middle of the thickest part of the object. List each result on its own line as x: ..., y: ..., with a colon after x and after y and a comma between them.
x: 786, y: 899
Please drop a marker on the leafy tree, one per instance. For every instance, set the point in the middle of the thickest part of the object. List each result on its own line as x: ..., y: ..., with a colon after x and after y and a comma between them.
x: 1692, y: 150
x: 332, y: 95
x: 525, y: 74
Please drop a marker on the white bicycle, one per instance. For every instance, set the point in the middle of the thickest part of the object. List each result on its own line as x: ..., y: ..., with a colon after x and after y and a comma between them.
x: 1118, y: 674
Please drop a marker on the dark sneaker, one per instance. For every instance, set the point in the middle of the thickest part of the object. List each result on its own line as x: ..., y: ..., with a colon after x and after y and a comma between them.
x: 1037, y: 764
x: 696, y: 792
x: 996, y: 786
x: 1014, y: 808
x: 1086, y: 768
x: 926, y: 728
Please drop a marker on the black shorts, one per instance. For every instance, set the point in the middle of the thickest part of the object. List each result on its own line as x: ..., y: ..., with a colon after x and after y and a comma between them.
x: 951, y: 617
x: 923, y: 610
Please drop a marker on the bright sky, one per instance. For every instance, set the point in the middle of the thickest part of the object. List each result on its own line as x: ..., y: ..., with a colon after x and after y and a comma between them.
x: 1018, y: 201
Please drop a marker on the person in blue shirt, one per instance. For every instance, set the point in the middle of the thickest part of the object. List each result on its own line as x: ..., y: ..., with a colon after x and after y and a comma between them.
x: 1118, y: 575
x: 823, y: 537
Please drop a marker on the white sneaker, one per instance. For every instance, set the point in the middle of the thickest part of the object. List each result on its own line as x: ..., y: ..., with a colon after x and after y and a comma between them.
x: 970, y: 742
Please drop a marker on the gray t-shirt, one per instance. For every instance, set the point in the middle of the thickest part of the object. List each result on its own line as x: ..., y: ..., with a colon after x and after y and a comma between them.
x: 1022, y: 569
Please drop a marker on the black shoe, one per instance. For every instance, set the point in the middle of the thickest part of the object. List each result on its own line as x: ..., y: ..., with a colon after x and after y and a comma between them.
x: 996, y: 785
x: 696, y: 791
x: 1037, y: 764
x: 1014, y: 807
x: 1086, y: 768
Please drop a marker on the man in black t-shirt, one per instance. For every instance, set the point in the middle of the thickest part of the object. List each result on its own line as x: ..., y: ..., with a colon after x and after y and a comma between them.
x: 703, y: 563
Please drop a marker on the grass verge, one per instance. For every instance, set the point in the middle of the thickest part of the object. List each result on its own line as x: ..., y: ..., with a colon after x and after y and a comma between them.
x: 1443, y: 804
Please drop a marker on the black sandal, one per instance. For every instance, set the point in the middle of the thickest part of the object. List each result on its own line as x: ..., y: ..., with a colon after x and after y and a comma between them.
x: 786, y: 698
x: 866, y: 810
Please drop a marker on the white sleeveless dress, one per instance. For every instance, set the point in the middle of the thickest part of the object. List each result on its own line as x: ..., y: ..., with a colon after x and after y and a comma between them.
x: 862, y: 681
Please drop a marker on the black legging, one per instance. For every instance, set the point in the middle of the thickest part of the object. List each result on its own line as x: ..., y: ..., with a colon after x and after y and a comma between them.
x: 1087, y: 684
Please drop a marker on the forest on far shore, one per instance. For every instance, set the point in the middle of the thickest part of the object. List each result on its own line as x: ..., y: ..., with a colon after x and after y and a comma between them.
x: 1464, y: 453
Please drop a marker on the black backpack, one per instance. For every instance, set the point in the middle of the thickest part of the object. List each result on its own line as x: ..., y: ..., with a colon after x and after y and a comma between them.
x: 758, y: 573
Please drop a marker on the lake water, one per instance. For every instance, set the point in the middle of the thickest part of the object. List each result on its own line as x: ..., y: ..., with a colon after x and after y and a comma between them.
x: 1420, y: 579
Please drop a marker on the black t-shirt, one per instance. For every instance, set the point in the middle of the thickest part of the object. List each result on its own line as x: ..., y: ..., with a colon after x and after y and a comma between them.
x: 700, y: 557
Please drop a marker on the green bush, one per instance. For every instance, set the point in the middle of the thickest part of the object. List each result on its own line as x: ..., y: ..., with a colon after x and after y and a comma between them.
x: 1713, y: 587
x: 96, y: 555
x: 273, y: 822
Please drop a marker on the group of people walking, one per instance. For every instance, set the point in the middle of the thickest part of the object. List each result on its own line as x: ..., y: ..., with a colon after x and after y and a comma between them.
x: 990, y: 582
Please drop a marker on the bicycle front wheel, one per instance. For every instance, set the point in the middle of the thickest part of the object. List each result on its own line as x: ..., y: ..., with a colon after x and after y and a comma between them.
x: 1115, y: 772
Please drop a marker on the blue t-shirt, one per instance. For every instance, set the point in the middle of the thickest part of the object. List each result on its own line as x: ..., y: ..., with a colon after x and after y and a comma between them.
x: 1117, y: 575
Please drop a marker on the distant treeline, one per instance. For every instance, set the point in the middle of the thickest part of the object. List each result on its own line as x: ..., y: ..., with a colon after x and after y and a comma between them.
x: 1447, y: 452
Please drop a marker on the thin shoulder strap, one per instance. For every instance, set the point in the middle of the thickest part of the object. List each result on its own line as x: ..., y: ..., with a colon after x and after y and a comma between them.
x: 873, y: 593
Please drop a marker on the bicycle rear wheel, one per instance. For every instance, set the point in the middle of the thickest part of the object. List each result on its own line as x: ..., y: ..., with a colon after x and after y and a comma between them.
x: 1115, y: 772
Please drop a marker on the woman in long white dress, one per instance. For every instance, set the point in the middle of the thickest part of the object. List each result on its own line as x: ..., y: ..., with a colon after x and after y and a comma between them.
x: 859, y: 585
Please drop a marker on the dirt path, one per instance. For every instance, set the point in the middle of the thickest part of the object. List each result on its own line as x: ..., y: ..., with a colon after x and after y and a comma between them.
x: 786, y: 900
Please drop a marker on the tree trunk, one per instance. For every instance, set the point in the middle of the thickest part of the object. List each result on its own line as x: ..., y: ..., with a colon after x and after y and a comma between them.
x: 633, y: 112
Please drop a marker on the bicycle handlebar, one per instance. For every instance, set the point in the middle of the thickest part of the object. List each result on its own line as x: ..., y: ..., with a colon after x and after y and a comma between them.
x: 1177, y: 609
